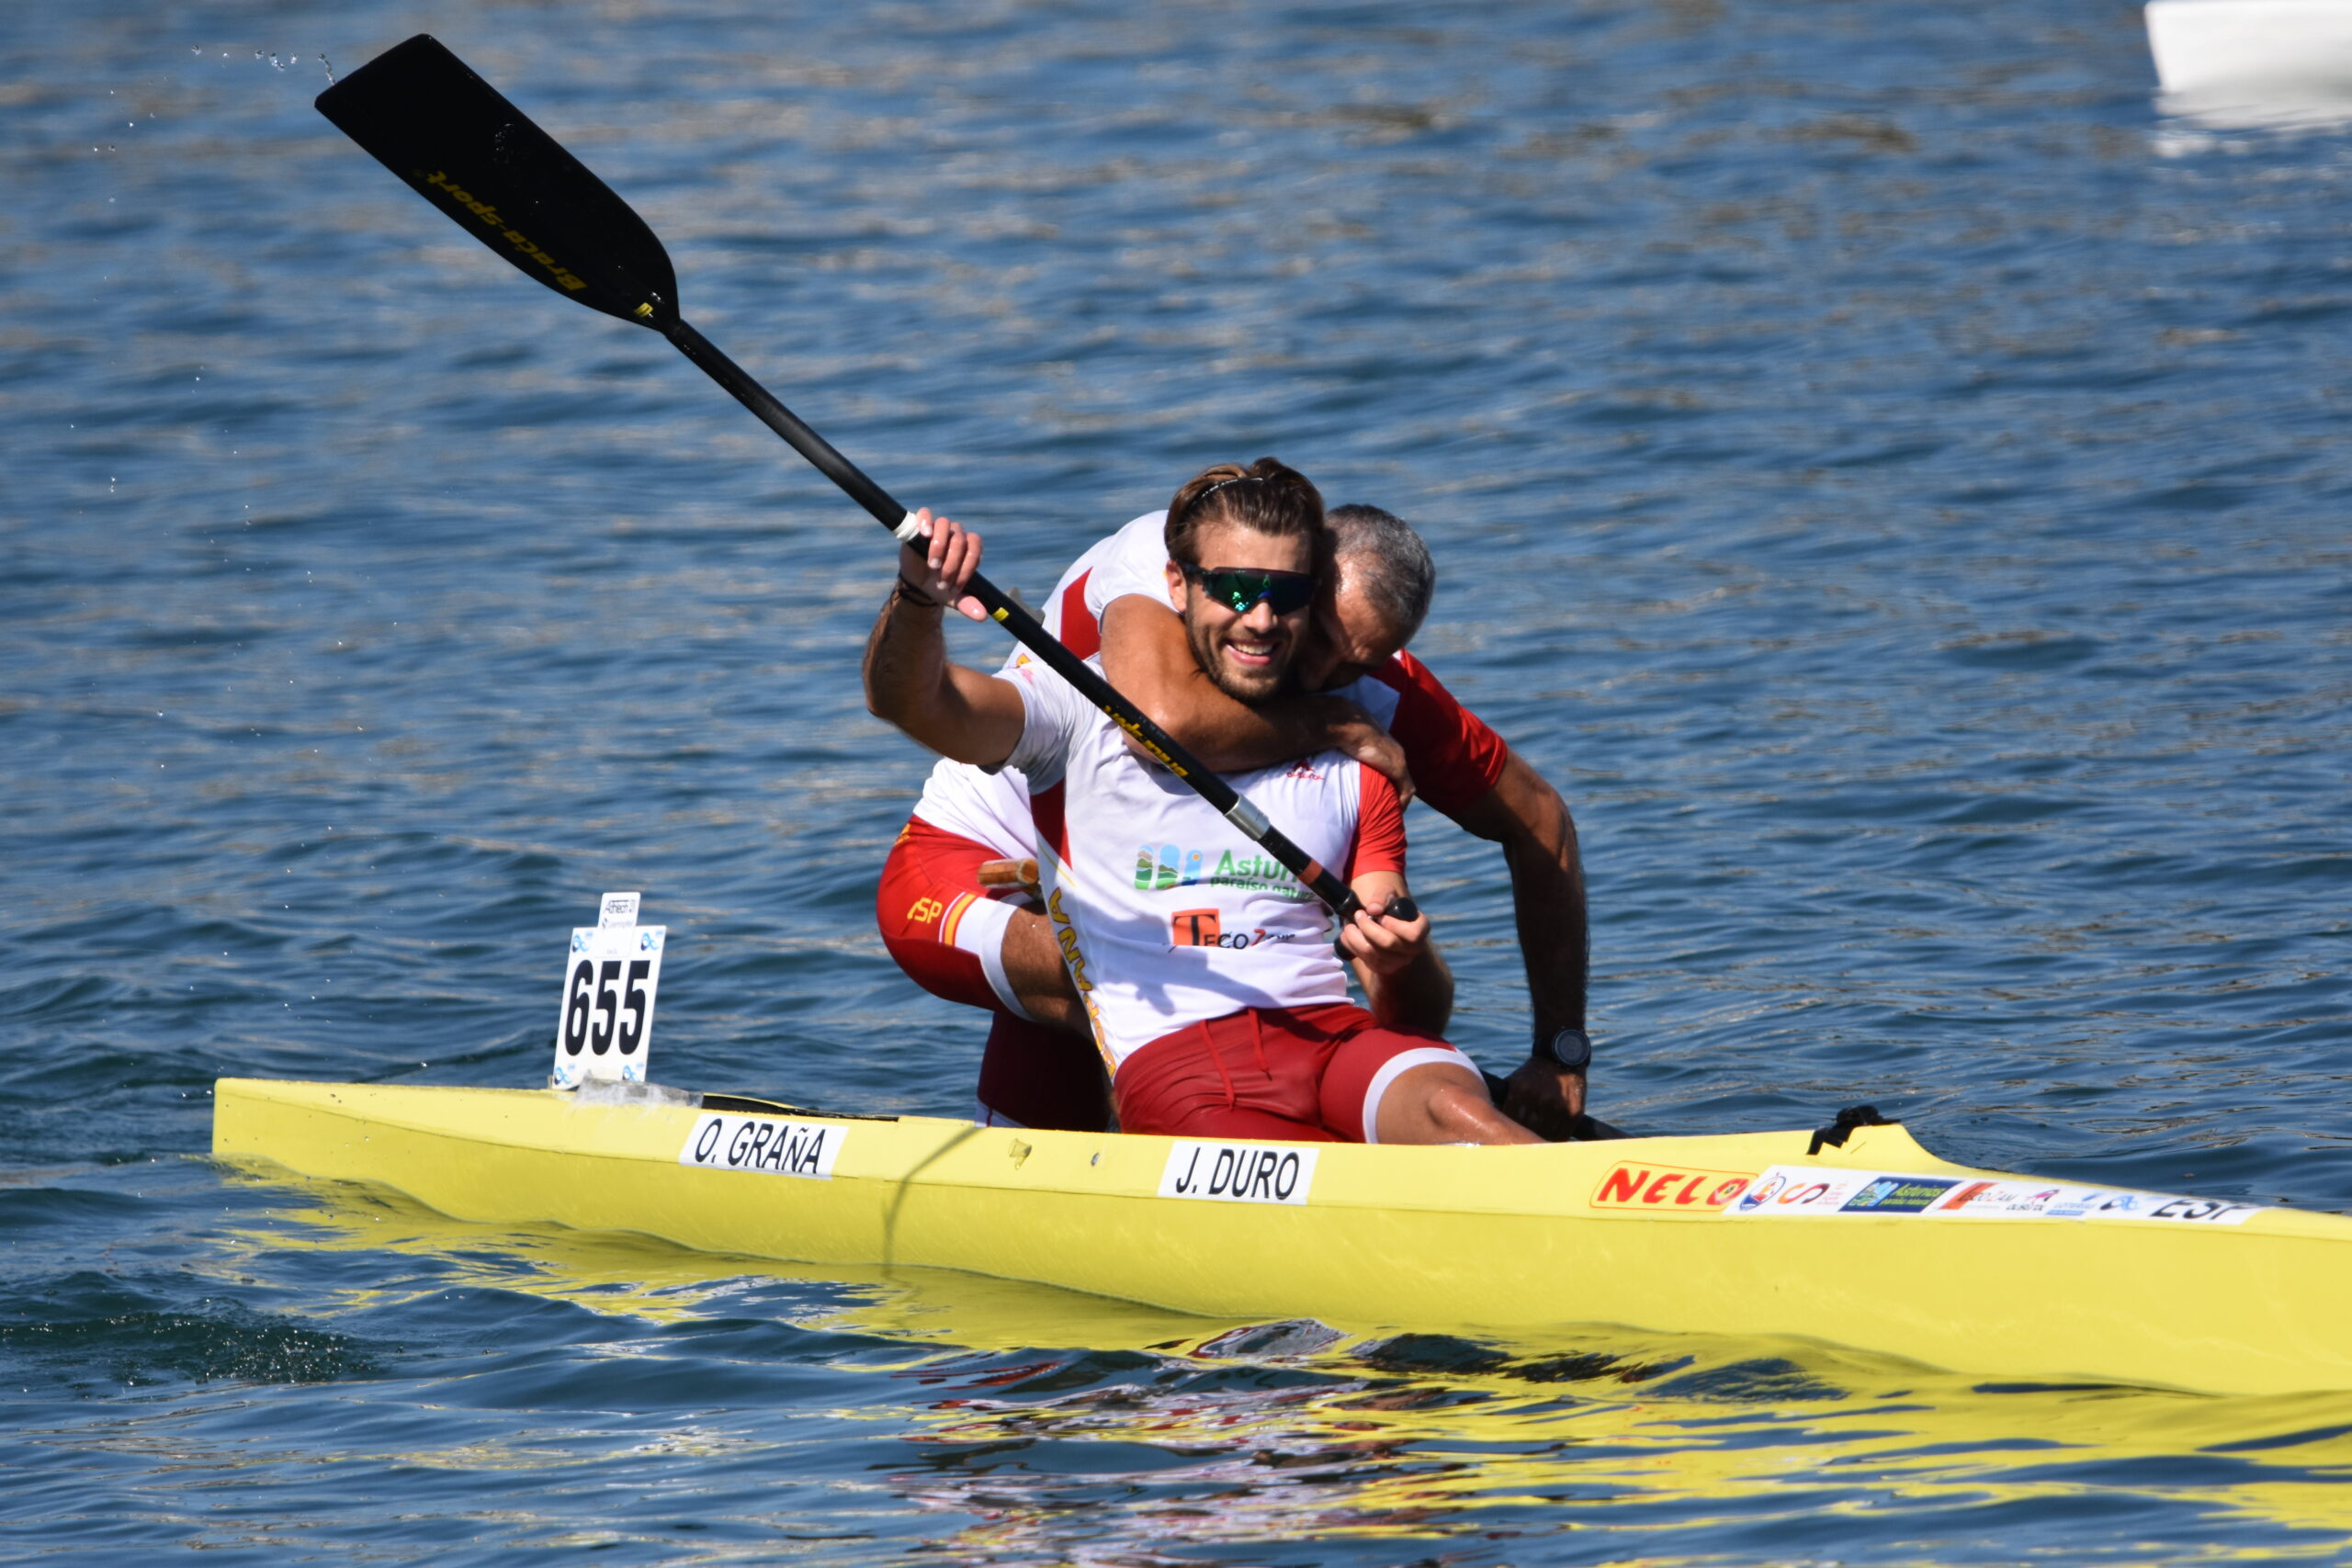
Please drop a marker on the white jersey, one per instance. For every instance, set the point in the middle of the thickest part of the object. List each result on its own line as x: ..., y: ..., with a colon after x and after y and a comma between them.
x: 1167, y: 915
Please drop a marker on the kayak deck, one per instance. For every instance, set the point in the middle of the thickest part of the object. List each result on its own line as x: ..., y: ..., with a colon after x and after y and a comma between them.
x: 1877, y: 1245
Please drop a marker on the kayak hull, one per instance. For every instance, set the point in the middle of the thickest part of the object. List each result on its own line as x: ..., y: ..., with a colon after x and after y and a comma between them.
x: 1659, y: 1234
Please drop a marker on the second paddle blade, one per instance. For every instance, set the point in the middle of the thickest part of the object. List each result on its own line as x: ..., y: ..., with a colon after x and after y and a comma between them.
x: 460, y: 144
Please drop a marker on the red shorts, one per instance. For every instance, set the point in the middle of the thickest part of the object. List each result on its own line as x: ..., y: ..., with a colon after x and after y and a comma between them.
x: 928, y: 883
x: 1030, y: 1074
x: 1311, y: 1074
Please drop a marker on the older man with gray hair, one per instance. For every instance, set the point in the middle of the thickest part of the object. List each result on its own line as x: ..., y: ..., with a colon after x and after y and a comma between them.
x: 951, y: 908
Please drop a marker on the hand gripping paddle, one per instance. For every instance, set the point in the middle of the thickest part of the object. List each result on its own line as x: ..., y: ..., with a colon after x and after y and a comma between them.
x: 460, y: 144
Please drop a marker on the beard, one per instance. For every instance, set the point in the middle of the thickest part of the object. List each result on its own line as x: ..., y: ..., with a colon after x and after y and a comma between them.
x: 1251, y: 684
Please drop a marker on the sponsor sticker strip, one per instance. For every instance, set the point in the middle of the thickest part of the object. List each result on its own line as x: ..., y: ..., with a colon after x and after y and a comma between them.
x: 719, y: 1141
x: 1799, y: 1190
x: 1238, y: 1173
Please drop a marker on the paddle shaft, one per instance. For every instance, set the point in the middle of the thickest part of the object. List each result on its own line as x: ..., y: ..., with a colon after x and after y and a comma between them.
x: 1223, y: 798
x: 458, y: 143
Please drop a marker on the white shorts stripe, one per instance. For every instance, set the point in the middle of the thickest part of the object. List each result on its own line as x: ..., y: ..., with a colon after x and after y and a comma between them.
x: 980, y: 931
x: 1397, y: 1066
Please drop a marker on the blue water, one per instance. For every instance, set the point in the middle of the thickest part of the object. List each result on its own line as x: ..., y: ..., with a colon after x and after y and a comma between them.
x: 1884, y: 469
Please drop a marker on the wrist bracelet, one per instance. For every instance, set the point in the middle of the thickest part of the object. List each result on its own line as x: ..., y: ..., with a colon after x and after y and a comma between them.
x: 913, y: 596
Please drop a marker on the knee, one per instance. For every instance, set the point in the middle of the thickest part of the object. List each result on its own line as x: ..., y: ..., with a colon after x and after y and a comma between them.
x: 1460, y: 1109
x: 1440, y: 1103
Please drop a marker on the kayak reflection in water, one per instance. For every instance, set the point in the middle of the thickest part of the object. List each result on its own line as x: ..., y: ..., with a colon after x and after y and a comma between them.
x: 1205, y: 972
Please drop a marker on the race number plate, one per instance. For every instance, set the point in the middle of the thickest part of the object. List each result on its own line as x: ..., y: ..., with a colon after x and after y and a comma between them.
x: 611, y: 974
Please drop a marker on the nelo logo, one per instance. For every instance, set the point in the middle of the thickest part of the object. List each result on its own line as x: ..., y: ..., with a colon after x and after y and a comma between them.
x: 1668, y: 1187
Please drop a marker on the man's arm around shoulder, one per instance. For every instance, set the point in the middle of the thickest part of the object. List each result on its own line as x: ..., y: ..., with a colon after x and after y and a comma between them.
x: 1146, y: 656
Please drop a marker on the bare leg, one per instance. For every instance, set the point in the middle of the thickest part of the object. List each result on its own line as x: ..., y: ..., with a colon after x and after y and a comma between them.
x: 1033, y: 964
x: 1439, y: 1102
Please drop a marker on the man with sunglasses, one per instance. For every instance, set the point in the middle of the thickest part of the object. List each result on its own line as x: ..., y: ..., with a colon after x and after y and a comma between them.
x: 1205, y: 972
x: 984, y: 943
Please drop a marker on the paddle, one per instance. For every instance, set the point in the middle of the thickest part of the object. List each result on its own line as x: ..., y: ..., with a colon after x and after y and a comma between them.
x: 459, y: 143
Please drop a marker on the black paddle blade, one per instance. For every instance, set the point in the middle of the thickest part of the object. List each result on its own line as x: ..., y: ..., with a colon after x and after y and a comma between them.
x: 458, y: 141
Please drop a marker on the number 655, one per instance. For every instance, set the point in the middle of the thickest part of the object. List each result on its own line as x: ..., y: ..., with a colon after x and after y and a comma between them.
x: 595, y: 1001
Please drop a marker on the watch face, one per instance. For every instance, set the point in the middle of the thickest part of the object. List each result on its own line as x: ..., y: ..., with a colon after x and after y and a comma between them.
x: 1572, y: 1047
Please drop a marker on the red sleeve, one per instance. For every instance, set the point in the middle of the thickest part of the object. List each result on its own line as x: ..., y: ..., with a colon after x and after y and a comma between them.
x: 1080, y: 632
x: 1379, y: 841
x: 1455, y: 758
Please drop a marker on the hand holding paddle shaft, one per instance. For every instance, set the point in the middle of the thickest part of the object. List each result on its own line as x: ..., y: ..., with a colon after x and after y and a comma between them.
x: 424, y: 114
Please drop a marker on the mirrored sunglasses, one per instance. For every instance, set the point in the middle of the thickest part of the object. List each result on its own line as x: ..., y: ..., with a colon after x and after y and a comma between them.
x: 1242, y: 591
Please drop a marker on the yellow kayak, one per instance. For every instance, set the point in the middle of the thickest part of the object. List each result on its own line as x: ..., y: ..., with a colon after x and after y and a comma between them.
x: 1876, y: 1244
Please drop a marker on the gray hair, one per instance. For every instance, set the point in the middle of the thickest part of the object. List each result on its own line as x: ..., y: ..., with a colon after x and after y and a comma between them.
x: 1390, y: 562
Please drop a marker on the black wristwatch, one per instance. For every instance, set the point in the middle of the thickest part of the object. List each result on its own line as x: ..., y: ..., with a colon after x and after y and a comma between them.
x: 1570, y: 1048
